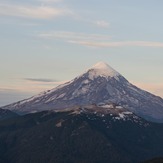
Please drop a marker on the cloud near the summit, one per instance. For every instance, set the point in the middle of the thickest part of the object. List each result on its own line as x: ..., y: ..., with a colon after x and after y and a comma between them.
x: 40, y: 80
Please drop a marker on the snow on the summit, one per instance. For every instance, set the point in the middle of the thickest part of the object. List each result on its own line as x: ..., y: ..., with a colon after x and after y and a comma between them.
x: 102, y: 69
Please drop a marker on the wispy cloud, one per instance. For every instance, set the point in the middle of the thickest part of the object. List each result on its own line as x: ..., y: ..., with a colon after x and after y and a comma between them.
x: 95, y: 40
x: 40, y: 80
x: 29, y: 88
x: 35, y: 12
x: 32, y: 86
x: 69, y: 36
x: 42, y: 84
x: 119, y: 43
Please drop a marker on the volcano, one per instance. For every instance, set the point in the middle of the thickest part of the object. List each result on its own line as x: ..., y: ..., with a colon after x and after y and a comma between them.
x: 99, y: 85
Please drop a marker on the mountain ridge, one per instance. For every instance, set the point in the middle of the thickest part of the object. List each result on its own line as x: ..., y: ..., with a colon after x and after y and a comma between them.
x: 65, y: 136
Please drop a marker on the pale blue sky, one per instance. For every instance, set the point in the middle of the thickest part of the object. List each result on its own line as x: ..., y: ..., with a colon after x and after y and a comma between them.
x: 46, y: 42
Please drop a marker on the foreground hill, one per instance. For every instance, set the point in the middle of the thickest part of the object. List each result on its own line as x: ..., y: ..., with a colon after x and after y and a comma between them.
x: 80, y: 135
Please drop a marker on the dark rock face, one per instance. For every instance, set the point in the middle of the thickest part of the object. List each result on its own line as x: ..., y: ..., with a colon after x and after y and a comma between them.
x: 97, y: 85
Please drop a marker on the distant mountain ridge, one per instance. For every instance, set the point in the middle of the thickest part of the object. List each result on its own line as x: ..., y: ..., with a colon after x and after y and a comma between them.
x: 99, y: 84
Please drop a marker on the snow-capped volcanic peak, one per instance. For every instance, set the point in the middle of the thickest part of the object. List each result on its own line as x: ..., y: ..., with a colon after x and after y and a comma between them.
x: 102, y: 69
x: 99, y: 84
